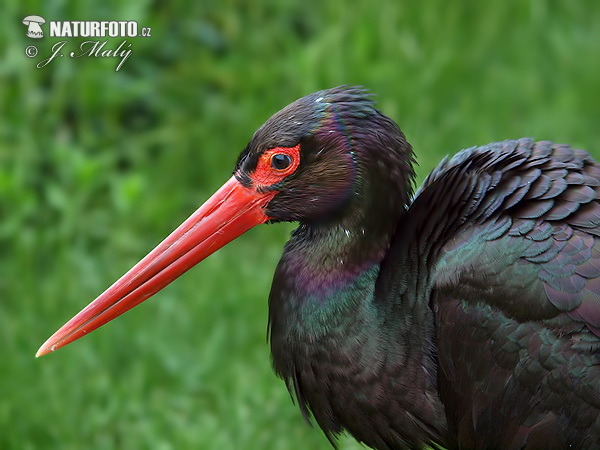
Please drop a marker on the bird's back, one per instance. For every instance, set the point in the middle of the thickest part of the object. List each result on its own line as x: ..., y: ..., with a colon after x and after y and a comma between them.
x: 504, y: 243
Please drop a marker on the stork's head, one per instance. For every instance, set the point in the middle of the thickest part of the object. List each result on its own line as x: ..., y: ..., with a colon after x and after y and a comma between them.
x: 326, y: 158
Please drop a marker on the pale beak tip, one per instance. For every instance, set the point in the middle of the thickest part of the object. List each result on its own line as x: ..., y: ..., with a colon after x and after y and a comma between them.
x: 44, y: 349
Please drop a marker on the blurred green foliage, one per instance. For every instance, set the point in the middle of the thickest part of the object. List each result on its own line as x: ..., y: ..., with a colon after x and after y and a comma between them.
x: 96, y: 166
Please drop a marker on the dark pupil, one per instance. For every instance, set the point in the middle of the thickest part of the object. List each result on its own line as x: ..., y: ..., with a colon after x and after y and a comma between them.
x: 280, y: 161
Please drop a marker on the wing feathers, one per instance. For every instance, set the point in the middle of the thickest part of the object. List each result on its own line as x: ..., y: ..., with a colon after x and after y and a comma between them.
x: 543, y: 194
x: 512, y: 233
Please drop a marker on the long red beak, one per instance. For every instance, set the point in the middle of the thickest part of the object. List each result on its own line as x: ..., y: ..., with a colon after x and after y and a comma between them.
x: 230, y: 212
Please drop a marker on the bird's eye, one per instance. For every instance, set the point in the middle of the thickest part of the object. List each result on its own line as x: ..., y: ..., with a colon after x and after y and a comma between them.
x: 275, y: 164
x: 280, y: 161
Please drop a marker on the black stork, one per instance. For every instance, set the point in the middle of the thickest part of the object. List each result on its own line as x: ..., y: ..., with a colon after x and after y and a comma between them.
x: 465, y: 316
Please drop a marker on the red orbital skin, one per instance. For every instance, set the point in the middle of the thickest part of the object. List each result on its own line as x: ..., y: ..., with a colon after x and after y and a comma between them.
x: 265, y: 174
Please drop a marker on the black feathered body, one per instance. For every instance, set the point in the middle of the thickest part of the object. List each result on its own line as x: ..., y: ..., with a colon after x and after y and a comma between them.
x: 474, y: 322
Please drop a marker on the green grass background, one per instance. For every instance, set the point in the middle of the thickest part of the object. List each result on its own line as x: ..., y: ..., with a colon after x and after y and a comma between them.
x: 96, y: 166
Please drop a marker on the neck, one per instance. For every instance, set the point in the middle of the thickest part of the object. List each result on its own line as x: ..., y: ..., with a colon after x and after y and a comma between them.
x: 324, y: 259
x: 325, y: 309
